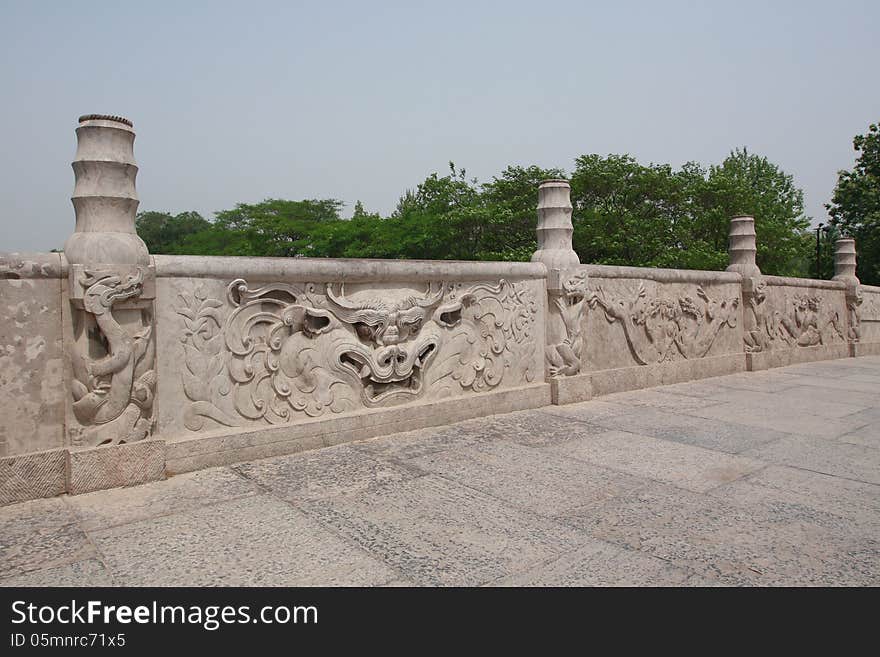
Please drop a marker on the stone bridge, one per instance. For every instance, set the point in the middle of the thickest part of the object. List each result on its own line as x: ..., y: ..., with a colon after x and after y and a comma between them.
x: 121, y: 368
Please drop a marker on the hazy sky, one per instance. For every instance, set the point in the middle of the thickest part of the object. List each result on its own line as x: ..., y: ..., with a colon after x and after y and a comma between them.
x: 237, y: 102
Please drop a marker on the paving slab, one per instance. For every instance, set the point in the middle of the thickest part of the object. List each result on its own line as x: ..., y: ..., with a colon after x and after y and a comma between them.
x: 438, y: 533
x: 662, y: 399
x: 866, y: 436
x: 598, y: 563
x: 834, y: 383
x: 769, y: 382
x: 789, y: 401
x: 838, y: 504
x: 324, y: 473
x: 779, y: 418
x: 186, y: 492
x: 757, y: 478
x: 427, y: 441
x: 40, y: 534
x: 816, y: 393
x: 256, y: 540
x: 90, y: 572
x: 688, y: 428
x: 733, y: 544
x: 823, y: 456
x: 693, y: 468
x: 507, y: 471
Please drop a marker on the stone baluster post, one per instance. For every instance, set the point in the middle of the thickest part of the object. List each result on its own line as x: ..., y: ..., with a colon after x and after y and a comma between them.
x: 566, y: 290
x: 845, y: 260
x: 741, y: 250
x: 845, y: 271
x: 554, y: 226
x: 111, y: 286
x: 742, y: 247
x: 105, y: 198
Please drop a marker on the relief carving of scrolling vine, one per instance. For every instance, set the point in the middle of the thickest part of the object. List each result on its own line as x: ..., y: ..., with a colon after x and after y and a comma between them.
x: 659, y: 329
x: 281, y: 351
x: 781, y: 320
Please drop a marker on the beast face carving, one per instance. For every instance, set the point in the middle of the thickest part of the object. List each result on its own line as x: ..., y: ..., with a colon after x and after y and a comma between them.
x: 397, y: 341
x: 286, y: 349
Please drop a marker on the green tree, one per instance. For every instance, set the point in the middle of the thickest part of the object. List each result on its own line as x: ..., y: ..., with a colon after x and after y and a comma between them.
x: 626, y: 213
x: 162, y: 232
x: 510, y: 200
x: 855, y: 205
x: 281, y: 227
x: 441, y: 219
x: 749, y: 184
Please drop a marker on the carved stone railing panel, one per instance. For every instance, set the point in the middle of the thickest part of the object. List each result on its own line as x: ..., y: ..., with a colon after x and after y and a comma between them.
x: 272, y: 353
x: 32, y: 388
x: 868, y: 318
x: 659, y: 322
x: 787, y: 314
x: 599, y: 318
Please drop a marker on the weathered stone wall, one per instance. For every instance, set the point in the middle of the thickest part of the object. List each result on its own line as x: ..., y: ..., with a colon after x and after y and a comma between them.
x: 263, y: 356
x: 32, y: 389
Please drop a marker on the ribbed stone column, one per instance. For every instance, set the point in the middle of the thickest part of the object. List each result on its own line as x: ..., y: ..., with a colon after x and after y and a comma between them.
x: 845, y: 260
x: 554, y: 226
x: 742, y: 248
x: 109, y: 330
x: 845, y: 271
x: 104, y: 198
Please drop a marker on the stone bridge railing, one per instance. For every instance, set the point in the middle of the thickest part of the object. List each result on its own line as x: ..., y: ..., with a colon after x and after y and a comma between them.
x: 120, y: 367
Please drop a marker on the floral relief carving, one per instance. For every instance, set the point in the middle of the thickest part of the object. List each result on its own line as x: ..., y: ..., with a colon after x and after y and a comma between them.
x: 281, y: 351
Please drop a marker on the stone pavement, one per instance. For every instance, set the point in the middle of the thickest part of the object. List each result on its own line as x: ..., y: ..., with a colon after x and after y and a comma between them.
x: 768, y: 478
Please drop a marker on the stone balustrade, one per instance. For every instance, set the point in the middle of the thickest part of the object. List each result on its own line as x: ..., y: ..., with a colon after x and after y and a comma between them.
x: 121, y: 367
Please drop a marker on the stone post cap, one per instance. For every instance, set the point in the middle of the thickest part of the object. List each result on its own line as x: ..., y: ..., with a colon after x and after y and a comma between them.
x: 845, y: 260
x: 105, y: 197
x: 87, y: 118
x: 742, y: 246
x: 554, y: 182
x: 554, y: 225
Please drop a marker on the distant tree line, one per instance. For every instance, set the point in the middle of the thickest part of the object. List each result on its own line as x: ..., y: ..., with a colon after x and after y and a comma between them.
x: 625, y: 213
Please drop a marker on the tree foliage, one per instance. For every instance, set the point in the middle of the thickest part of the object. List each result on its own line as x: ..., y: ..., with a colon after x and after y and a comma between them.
x: 163, y: 232
x: 655, y: 216
x: 624, y: 213
x: 855, y: 205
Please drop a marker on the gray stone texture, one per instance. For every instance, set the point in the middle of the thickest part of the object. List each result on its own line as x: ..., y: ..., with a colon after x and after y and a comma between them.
x: 32, y: 390
x: 638, y: 488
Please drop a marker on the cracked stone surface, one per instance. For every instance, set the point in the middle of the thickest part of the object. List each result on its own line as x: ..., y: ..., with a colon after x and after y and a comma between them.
x: 769, y: 478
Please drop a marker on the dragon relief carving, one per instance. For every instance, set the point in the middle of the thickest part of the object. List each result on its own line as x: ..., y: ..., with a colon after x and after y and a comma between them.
x: 790, y: 321
x: 658, y: 329
x: 112, y: 361
x: 854, y: 307
x: 565, y: 330
x: 281, y: 351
